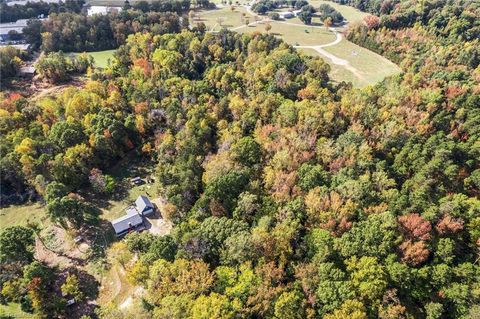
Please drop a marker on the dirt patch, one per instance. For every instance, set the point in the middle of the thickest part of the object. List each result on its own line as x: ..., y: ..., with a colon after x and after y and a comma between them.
x: 55, y: 248
x: 156, y: 224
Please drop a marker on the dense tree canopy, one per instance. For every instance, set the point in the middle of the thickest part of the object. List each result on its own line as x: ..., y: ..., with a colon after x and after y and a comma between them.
x: 291, y: 196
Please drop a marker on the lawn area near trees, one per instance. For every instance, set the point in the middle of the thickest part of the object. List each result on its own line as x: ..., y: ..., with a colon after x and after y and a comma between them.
x: 294, y: 34
x: 223, y: 17
x: 363, y: 68
x: 373, y: 67
x: 349, y: 13
x: 100, y: 57
x: 22, y: 214
x: 13, y: 310
x: 338, y: 73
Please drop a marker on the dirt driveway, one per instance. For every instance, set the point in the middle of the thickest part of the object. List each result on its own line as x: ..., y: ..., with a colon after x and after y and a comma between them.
x: 156, y: 224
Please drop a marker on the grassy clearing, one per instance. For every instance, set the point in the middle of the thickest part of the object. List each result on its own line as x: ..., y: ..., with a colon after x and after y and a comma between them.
x: 101, y: 57
x: 13, y: 310
x: 231, y: 19
x: 373, y: 67
x: 293, y: 34
x: 21, y: 214
x: 337, y: 72
x: 351, y: 14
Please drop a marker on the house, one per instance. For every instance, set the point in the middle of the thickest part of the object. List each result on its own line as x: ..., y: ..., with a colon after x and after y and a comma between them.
x: 133, y: 220
x: 128, y: 223
x: 103, y: 10
x: 144, y: 206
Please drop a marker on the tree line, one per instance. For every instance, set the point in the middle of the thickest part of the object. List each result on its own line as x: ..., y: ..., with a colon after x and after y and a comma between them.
x: 35, y: 9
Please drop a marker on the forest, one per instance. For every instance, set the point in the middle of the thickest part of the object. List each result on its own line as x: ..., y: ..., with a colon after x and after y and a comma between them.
x: 33, y: 10
x: 291, y: 196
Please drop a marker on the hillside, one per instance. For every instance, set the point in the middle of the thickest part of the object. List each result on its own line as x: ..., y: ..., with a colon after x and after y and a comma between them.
x: 291, y: 195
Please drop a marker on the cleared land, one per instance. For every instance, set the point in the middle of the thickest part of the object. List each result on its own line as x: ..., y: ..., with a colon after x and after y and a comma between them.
x: 351, y: 14
x: 372, y: 67
x: 101, y: 57
x: 337, y: 73
x: 217, y: 19
x: 349, y: 62
x: 21, y: 214
x: 13, y: 310
x: 294, y: 34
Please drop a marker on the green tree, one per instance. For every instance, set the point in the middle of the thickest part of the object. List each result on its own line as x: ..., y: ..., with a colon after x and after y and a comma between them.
x: 16, y: 245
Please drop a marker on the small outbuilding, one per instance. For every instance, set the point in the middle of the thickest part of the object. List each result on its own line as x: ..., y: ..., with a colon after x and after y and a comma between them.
x: 130, y: 222
x: 144, y: 206
x: 137, y: 181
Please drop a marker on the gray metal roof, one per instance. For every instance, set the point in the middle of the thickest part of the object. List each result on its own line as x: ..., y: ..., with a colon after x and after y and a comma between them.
x: 143, y: 203
x: 132, y: 219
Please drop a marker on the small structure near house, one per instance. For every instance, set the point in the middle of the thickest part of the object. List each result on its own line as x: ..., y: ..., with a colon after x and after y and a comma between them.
x: 26, y: 71
x: 287, y: 15
x: 130, y: 222
x: 137, y: 181
x: 144, y: 205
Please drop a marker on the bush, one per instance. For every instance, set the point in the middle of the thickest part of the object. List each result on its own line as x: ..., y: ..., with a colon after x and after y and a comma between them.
x: 274, y: 16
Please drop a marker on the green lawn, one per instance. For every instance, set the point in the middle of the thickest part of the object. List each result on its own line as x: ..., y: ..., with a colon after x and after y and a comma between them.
x: 337, y: 73
x: 21, y: 214
x: 294, y: 34
x: 231, y: 19
x: 13, y: 310
x: 372, y: 66
x: 101, y: 57
x: 351, y: 14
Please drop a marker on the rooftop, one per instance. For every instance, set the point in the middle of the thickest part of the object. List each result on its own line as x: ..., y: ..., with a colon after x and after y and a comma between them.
x: 143, y: 203
x: 132, y: 219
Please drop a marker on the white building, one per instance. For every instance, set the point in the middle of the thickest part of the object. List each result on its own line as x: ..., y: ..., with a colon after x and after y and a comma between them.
x: 102, y: 10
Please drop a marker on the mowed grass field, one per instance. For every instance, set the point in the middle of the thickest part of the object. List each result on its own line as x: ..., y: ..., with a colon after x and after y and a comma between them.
x: 230, y: 19
x: 351, y: 14
x: 13, y: 310
x: 22, y: 214
x: 365, y: 67
x: 101, y: 57
x: 294, y: 34
x: 372, y: 67
x: 337, y: 72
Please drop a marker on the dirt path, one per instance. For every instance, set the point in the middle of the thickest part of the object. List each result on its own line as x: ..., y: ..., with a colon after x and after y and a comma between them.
x: 335, y: 60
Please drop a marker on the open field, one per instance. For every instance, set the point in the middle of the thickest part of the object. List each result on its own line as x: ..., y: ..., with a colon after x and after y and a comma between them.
x: 21, y: 214
x: 349, y: 62
x: 231, y: 19
x: 372, y: 67
x: 338, y: 73
x: 294, y: 34
x: 13, y: 310
x: 101, y: 57
x: 351, y: 14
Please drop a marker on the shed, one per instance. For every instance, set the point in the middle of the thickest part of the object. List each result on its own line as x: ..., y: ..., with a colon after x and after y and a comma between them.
x: 136, y: 181
x: 144, y: 206
x: 26, y: 71
x: 287, y: 15
x: 125, y: 224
